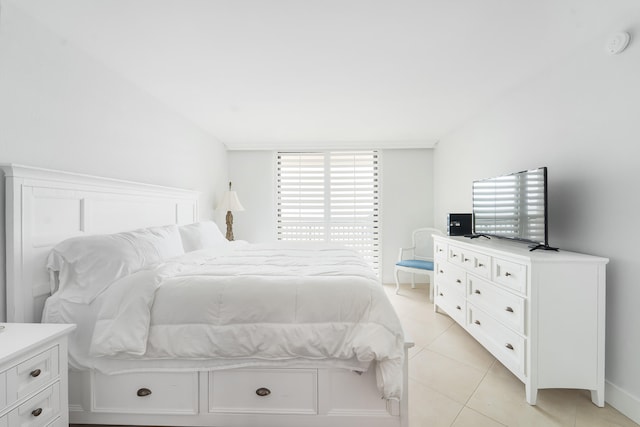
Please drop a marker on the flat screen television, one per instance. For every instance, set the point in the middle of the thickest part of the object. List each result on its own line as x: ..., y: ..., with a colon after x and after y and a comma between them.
x: 513, y: 207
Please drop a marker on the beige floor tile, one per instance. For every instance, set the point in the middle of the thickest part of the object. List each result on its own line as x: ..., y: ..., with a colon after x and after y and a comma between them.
x: 457, y: 344
x: 470, y: 418
x: 501, y: 397
x: 423, y: 333
x: 590, y: 415
x: 413, y: 351
x: 428, y: 408
x: 450, y: 377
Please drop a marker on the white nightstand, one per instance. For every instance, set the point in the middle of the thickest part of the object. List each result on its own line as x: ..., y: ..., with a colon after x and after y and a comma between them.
x: 33, y: 375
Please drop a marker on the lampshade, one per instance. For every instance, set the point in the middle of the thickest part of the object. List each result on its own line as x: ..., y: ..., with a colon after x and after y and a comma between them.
x: 230, y: 202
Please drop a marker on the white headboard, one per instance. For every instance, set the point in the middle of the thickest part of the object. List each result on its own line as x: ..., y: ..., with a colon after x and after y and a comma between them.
x: 44, y: 207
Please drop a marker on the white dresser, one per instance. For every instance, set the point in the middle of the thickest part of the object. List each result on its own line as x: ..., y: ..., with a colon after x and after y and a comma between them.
x: 33, y: 375
x: 540, y: 313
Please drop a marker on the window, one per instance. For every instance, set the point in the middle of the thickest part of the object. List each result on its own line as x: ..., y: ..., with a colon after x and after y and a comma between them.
x: 330, y: 197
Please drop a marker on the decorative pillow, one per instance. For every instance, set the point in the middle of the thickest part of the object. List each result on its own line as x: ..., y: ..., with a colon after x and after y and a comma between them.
x: 201, y: 235
x: 87, y: 265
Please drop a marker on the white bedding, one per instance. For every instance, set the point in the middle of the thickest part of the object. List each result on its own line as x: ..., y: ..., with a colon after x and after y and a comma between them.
x: 282, y: 304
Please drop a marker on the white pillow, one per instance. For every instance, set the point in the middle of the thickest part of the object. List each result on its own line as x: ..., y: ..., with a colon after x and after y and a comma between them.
x: 156, y: 244
x: 87, y: 265
x: 201, y: 235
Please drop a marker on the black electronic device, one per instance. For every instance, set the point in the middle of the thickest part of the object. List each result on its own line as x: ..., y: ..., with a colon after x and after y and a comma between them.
x: 459, y: 224
x: 513, y: 207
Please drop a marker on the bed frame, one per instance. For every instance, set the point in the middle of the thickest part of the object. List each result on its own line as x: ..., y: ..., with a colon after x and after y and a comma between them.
x: 44, y: 207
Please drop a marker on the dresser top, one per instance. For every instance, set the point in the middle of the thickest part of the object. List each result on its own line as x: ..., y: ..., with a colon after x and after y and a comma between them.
x: 18, y: 338
x: 519, y: 249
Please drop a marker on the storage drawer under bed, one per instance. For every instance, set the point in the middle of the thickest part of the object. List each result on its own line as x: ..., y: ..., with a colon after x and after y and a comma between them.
x: 265, y: 391
x: 146, y: 393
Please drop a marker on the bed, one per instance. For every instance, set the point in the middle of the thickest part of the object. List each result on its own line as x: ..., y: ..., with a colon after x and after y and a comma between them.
x: 189, y: 329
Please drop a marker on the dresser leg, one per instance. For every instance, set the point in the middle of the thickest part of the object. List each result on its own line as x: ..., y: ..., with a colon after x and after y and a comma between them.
x: 597, y: 397
x: 531, y: 394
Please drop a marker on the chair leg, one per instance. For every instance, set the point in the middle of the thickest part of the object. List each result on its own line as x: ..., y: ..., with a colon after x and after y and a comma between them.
x: 413, y: 281
x: 397, y: 282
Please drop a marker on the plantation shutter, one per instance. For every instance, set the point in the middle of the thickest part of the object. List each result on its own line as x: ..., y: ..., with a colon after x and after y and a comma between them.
x: 331, y: 197
x: 301, y: 196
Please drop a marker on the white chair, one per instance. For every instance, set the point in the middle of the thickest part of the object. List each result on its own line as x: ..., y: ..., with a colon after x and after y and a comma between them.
x: 418, y: 259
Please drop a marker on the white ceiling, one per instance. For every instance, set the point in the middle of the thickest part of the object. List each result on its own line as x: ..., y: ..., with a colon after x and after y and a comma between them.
x: 328, y: 73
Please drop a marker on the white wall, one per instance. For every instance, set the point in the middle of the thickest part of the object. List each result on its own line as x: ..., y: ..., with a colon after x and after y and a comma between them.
x: 581, y: 119
x: 253, y: 177
x: 406, y: 202
x: 60, y: 109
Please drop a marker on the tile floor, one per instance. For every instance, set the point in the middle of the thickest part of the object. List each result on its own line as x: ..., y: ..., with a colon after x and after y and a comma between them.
x: 454, y: 381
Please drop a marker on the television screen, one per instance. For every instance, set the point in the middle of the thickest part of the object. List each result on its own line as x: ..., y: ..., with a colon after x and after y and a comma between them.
x: 512, y: 206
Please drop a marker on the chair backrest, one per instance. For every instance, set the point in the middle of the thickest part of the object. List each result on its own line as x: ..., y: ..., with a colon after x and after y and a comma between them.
x: 423, y: 243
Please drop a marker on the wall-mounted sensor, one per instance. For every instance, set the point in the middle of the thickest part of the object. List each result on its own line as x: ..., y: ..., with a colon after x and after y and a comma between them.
x: 617, y: 43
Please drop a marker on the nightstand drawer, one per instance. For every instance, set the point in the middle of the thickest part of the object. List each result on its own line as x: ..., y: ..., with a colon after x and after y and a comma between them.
x: 35, y: 372
x: 38, y: 411
x: 3, y: 392
x: 265, y: 391
x: 57, y: 423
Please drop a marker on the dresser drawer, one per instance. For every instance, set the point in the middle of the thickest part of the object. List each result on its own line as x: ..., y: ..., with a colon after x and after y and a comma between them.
x: 440, y: 251
x: 455, y: 276
x: 35, y: 372
x: 267, y: 391
x: 38, y: 411
x: 477, y: 263
x: 451, y: 302
x: 504, y: 343
x: 146, y: 393
x: 502, y: 305
x: 454, y: 255
x: 510, y: 275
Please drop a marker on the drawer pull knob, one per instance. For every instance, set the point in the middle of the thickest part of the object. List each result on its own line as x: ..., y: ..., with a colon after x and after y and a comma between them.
x: 263, y: 391
x: 509, y: 309
x: 441, y: 271
x: 477, y: 291
x: 466, y: 260
x: 509, y: 346
x: 477, y: 322
x: 507, y: 274
x: 480, y: 264
x: 441, y: 294
x: 35, y: 373
x: 143, y: 392
x: 458, y: 281
x: 458, y: 307
x: 454, y: 255
x: 36, y: 412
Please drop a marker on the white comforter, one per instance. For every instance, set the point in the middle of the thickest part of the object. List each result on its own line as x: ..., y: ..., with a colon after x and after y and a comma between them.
x: 274, y: 302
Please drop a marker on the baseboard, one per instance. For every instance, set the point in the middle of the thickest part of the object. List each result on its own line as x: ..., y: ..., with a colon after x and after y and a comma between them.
x: 624, y: 402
